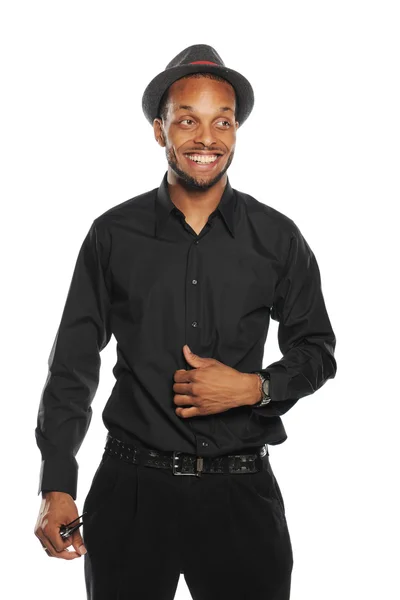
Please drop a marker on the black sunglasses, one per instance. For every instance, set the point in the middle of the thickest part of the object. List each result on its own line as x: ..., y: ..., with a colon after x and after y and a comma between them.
x: 67, y: 530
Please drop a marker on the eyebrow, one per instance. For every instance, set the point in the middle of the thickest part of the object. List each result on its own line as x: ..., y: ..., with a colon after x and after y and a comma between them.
x: 188, y: 107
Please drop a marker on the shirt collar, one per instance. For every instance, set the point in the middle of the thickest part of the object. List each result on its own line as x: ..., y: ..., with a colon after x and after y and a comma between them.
x: 164, y: 205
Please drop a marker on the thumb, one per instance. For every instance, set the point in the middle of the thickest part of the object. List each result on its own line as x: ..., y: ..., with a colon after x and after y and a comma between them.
x: 77, y: 543
x: 190, y: 356
x: 195, y: 360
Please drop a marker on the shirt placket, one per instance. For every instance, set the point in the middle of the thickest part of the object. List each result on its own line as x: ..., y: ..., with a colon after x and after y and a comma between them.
x: 193, y: 291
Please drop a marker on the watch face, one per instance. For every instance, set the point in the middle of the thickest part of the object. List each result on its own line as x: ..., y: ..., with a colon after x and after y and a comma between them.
x: 265, y: 387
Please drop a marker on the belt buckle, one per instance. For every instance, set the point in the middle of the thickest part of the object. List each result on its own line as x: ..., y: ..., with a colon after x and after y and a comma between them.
x: 175, y: 458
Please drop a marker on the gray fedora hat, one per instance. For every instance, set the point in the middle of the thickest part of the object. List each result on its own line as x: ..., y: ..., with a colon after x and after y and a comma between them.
x: 199, y: 58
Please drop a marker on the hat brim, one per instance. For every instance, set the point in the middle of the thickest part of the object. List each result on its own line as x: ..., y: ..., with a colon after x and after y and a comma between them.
x: 157, y: 86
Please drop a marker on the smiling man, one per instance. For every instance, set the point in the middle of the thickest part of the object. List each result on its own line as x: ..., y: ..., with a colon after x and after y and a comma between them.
x: 186, y: 276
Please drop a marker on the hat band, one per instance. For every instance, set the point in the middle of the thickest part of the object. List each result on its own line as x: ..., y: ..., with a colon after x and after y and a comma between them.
x: 203, y: 62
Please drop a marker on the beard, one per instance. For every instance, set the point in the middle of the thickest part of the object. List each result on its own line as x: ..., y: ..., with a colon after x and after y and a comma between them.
x: 198, y: 182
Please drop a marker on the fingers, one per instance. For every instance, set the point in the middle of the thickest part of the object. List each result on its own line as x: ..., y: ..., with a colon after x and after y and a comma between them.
x: 52, y: 542
x: 56, y: 549
x: 77, y: 542
x: 192, y: 411
x: 66, y: 554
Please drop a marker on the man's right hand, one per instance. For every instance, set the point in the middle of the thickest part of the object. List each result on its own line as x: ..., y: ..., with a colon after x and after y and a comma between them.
x: 56, y: 509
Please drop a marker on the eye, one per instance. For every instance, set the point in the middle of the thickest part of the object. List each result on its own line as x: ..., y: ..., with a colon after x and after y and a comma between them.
x: 225, y: 122
x: 186, y: 120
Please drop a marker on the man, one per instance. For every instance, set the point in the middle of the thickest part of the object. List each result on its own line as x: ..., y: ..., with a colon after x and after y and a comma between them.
x: 186, y: 276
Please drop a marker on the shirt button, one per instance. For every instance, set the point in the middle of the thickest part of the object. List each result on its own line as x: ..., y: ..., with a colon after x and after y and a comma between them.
x: 196, y: 241
x: 204, y: 443
x: 194, y: 324
x: 194, y: 281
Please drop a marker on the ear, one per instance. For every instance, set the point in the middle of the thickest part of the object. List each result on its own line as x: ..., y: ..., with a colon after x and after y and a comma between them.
x: 158, y: 132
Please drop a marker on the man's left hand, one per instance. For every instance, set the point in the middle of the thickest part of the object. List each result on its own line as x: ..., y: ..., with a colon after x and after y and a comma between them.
x: 210, y: 387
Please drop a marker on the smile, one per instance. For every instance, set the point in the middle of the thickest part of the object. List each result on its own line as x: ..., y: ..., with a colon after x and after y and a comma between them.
x: 203, y: 160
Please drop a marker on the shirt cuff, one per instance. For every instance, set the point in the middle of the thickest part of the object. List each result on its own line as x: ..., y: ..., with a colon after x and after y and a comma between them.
x: 59, y: 474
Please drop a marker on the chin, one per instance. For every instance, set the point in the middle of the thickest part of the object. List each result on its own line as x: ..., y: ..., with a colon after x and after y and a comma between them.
x: 203, y: 181
x: 199, y: 180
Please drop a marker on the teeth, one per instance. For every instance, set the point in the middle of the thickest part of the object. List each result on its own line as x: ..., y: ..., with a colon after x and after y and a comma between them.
x: 202, y: 159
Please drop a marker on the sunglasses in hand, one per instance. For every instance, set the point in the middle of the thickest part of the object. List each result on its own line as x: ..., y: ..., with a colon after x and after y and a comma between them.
x: 69, y: 528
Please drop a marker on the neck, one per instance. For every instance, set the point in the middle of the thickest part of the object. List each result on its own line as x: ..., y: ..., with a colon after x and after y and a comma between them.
x: 194, y: 203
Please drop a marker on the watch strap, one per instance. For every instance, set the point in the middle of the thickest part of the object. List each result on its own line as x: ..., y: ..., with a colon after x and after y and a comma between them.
x: 266, y: 399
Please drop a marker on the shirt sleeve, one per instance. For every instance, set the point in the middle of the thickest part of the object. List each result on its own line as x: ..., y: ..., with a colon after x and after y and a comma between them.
x: 305, y: 335
x: 74, y: 366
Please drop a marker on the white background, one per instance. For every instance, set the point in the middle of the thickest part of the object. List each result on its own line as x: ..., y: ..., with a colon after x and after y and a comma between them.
x: 321, y: 146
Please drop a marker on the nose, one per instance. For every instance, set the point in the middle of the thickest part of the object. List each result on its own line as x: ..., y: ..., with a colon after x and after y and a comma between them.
x: 205, y: 136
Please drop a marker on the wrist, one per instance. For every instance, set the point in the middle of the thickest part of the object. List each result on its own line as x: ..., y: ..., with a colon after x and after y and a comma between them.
x: 54, y: 494
x: 255, y: 389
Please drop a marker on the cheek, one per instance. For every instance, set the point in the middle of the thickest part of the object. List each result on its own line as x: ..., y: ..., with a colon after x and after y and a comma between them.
x: 171, y: 153
x: 174, y: 150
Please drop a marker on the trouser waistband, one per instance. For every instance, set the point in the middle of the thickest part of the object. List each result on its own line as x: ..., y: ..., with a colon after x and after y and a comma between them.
x: 183, y: 463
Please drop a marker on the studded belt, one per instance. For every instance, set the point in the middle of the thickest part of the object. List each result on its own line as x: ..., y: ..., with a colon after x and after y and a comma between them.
x: 183, y: 463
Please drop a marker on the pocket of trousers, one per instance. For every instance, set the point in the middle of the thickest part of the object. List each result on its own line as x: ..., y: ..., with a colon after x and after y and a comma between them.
x: 264, y: 483
x: 279, y: 493
x: 111, y: 506
x: 102, y: 487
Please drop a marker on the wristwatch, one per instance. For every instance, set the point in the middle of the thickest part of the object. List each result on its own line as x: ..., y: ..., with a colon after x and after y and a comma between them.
x: 266, y: 398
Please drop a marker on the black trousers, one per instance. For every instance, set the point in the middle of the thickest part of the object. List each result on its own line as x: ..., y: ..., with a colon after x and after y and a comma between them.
x: 227, y: 533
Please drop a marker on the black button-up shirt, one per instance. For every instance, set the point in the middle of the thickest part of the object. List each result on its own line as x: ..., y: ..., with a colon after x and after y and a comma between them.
x: 144, y: 275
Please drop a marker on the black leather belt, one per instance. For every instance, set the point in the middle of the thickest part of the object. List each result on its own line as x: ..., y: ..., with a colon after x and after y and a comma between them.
x: 183, y: 463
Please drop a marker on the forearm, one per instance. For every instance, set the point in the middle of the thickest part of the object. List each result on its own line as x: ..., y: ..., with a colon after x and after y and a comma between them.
x: 303, y: 369
x: 64, y: 417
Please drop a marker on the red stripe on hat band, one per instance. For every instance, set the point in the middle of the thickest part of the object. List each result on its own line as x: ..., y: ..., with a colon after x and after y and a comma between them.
x: 203, y: 62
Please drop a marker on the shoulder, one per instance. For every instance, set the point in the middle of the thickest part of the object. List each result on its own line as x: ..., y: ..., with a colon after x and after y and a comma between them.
x: 267, y: 220
x: 134, y: 207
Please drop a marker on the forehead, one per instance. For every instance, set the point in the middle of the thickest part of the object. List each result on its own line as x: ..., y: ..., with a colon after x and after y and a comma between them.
x: 197, y: 91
